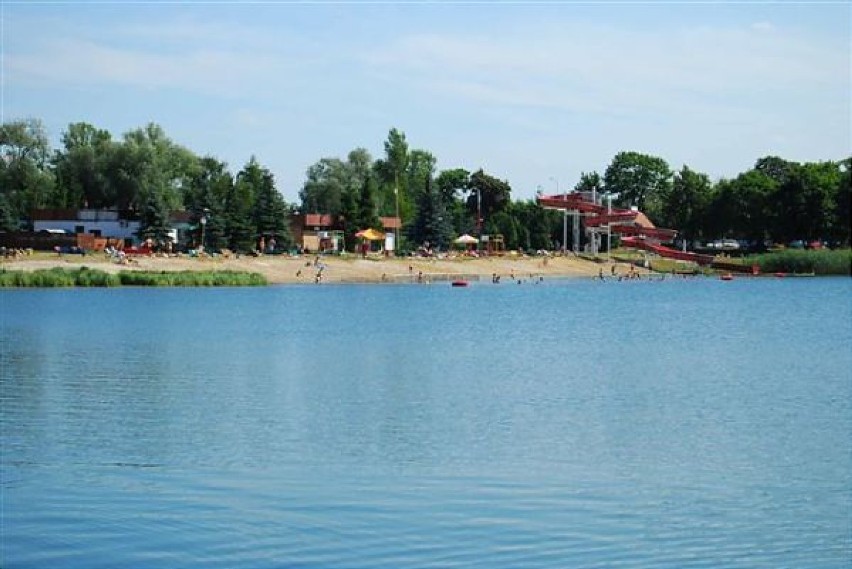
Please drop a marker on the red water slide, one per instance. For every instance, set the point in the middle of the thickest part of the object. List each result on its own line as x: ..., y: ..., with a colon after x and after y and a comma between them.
x: 667, y: 252
x: 635, y: 236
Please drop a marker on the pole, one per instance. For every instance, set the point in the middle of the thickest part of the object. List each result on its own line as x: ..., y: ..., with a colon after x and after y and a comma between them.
x: 608, y: 226
x: 564, y: 218
x: 479, y: 213
x: 564, y: 222
x: 398, y: 221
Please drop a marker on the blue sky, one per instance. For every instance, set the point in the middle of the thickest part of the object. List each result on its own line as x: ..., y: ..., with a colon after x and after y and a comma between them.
x: 531, y: 92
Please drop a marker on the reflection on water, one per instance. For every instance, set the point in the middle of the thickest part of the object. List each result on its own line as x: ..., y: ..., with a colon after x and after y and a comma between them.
x: 683, y: 423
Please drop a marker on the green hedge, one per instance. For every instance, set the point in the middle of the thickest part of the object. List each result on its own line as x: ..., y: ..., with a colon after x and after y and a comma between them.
x: 86, y: 277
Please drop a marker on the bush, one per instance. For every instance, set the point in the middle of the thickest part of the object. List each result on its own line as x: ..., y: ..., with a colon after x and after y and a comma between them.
x: 820, y: 262
x: 191, y: 278
x: 58, y: 277
x: 86, y: 277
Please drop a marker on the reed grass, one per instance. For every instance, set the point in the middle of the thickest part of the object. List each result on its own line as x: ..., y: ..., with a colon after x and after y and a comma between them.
x: 818, y: 262
x: 85, y: 277
x: 58, y: 278
x: 191, y: 278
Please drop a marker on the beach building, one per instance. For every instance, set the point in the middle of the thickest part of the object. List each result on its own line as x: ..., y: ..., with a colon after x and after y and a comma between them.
x: 103, y: 223
x: 319, y: 232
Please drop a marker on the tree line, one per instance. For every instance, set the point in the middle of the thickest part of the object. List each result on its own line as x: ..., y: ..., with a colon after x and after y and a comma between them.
x: 147, y: 173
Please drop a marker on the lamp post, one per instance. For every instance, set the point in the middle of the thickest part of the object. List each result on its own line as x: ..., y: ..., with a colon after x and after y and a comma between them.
x: 479, y: 212
x: 397, y: 223
x: 203, y: 222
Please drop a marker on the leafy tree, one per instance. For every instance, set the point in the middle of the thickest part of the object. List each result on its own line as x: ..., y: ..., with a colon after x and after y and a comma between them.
x: 590, y: 182
x: 804, y: 200
x: 9, y: 219
x: 323, y: 190
x: 775, y: 168
x: 451, y: 183
x: 535, y: 225
x: 26, y: 181
x: 722, y: 210
x: 359, y: 167
x: 752, y: 213
x: 686, y: 203
x: 841, y: 228
x: 506, y: 224
x: 640, y: 179
x: 205, y: 197
x: 148, y: 161
x: 81, y: 167
x: 487, y: 195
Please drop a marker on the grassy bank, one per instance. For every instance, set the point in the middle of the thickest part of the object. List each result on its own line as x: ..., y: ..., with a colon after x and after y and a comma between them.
x: 819, y: 262
x: 86, y: 277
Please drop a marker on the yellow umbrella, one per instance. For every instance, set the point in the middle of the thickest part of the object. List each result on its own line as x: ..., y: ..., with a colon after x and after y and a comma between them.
x: 370, y: 234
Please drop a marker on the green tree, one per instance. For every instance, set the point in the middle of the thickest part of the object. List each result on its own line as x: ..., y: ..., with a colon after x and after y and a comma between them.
x: 148, y: 161
x: 391, y: 171
x: 590, y: 182
x: 154, y: 221
x: 26, y: 181
x: 487, y: 196
x: 432, y: 221
x: 205, y: 197
x: 804, y: 205
x: 535, y: 225
x: 367, y: 216
x: 640, y: 180
x: 685, y: 205
x: 270, y: 214
x: 326, y: 182
x: 752, y: 214
x: 842, y: 221
x: 451, y: 183
x: 239, y: 202
x: 9, y: 219
x: 81, y: 167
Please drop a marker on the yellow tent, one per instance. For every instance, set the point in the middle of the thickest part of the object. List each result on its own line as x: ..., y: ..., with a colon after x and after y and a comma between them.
x: 370, y: 234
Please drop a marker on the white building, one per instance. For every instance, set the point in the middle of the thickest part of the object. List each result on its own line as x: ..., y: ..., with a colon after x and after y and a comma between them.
x: 98, y: 222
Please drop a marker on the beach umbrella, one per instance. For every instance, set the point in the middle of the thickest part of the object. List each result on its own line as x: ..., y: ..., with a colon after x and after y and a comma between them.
x: 466, y: 240
x: 370, y: 234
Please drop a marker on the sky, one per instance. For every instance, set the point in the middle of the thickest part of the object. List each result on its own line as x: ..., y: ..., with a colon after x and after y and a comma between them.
x: 534, y: 93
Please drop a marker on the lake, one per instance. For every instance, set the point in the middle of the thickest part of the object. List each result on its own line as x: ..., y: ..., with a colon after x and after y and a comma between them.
x: 572, y: 423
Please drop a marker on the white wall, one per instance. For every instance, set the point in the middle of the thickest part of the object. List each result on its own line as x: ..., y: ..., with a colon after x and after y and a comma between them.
x: 115, y: 229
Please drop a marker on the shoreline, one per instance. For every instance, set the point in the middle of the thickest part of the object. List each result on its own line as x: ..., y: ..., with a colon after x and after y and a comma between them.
x: 282, y: 270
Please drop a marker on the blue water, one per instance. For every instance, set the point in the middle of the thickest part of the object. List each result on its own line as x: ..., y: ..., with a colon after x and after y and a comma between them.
x: 685, y: 423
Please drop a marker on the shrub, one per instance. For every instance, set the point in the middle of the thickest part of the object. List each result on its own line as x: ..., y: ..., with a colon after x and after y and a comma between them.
x: 86, y: 277
x: 820, y: 262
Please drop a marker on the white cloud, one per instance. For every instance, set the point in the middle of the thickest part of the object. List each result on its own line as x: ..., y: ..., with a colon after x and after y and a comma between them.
x: 605, y: 69
x: 85, y: 63
x: 762, y: 26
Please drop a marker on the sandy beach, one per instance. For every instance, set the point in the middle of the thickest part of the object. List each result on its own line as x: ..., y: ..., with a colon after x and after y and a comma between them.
x: 350, y: 269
